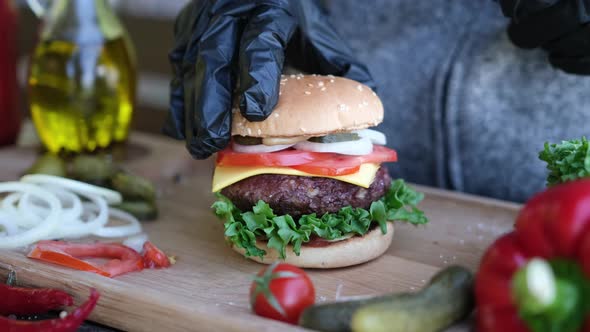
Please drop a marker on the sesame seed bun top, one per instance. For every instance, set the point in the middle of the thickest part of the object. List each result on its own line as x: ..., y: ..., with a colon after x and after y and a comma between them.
x: 314, y: 105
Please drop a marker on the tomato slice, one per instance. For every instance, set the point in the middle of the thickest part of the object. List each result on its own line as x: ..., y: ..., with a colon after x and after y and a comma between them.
x: 289, y: 157
x: 316, y: 163
x: 332, y: 167
x: 122, y: 259
x: 153, y: 257
x: 380, y: 154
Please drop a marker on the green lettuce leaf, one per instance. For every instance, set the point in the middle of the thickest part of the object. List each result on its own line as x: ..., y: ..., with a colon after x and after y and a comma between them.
x: 242, y: 228
x: 569, y: 160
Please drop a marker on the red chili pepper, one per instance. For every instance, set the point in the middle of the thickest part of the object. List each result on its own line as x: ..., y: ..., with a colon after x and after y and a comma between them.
x: 68, y: 324
x: 537, y: 278
x: 27, y: 301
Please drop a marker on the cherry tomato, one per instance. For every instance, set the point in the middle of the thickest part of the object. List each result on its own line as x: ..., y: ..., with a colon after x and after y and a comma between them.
x: 122, y: 259
x: 153, y: 257
x: 281, y: 291
x: 330, y: 164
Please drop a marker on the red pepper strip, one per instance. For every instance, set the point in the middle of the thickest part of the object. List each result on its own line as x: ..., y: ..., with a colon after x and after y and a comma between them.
x: 123, y: 259
x: 153, y: 257
x: 553, y: 226
x: 68, y: 324
x: 28, y: 301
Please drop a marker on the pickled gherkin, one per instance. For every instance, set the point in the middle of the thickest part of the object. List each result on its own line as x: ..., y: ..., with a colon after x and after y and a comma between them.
x: 335, y: 138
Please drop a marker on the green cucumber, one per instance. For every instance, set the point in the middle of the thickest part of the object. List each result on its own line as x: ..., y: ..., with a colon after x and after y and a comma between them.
x: 446, y: 299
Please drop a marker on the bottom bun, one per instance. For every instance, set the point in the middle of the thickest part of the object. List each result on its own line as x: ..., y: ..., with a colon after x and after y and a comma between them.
x: 352, y: 251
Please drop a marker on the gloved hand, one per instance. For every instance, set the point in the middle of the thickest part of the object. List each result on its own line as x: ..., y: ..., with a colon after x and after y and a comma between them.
x: 558, y: 26
x: 238, y: 47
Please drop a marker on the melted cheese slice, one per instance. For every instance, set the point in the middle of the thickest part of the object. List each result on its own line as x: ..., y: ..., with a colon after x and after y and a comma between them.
x: 227, y: 175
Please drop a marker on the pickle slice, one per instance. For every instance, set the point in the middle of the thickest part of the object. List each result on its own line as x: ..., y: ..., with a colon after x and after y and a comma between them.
x: 335, y: 138
x: 247, y: 140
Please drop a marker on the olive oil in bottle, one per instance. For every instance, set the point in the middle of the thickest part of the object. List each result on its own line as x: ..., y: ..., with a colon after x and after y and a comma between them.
x: 82, y: 78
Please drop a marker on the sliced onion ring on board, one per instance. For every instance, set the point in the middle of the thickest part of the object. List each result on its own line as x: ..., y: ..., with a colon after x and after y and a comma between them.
x: 111, y: 196
x: 359, y: 147
x: 6, y: 221
x: 131, y: 228
x: 81, y: 229
x: 41, y: 230
x: 136, y: 242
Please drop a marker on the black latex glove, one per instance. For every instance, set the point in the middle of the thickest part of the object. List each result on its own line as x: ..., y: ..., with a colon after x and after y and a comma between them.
x: 220, y: 43
x: 558, y: 26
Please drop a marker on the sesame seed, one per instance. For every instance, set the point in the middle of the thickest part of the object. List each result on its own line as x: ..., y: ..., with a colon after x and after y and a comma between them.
x: 331, y: 81
x: 365, y: 103
x: 314, y: 75
x: 343, y: 107
x: 282, y: 83
x: 359, y: 87
x: 302, y: 129
x: 276, y: 115
x: 259, y: 131
x: 310, y: 85
x: 298, y: 77
x: 307, y: 93
x: 249, y: 131
x: 320, y: 83
x: 331, y: 76
x: 374, y: 94
x: 323, y: 89
x: 284, y: 79
x: 280, y: 93
x: 292, y: 76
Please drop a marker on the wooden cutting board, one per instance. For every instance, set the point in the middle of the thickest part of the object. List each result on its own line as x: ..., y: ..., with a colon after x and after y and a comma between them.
x: 207, y: 288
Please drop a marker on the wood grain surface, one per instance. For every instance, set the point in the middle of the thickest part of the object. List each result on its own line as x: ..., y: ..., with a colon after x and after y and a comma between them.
x: 206, y: 290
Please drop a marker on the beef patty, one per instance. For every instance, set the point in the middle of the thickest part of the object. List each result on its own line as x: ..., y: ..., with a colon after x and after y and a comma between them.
x: 298, y: 195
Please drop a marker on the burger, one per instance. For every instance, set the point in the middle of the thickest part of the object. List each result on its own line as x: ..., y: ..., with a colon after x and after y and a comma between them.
x: 307, y: 185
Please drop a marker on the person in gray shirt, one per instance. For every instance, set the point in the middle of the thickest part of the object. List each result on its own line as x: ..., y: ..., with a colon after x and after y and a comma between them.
x: 471, y: 89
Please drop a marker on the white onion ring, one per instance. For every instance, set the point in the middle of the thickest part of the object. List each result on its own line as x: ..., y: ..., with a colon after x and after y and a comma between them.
x: 78, y: 229
x: 111, y: 196
x: 48, y: 207
x: 31, y: 209
x: 259, y: 148
x: 375, y: 136
x: 136, y: 242
x: 44, y: 228
x: 9, y: 207
x: 359, y: 147
x: 133, y: 227
x: 6, y: 221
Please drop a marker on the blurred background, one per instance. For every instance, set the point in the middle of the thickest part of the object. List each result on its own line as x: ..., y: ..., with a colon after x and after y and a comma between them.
x: 150, y: 26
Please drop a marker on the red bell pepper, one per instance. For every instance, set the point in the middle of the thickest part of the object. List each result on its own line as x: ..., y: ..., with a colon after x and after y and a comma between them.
x: 537, y: 278
x: 153, y: 257
x: 122, y: 259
